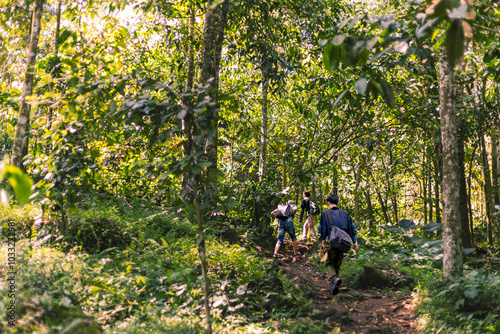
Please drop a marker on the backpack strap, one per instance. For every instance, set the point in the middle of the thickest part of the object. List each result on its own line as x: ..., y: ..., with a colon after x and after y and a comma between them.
x: 328, y: 214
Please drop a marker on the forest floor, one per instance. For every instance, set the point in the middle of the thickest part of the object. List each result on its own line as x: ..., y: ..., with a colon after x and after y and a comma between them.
x: 352, y: 310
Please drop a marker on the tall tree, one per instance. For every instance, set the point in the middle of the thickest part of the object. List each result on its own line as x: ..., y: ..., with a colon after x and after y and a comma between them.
x: 21, y: 134
x: 452, y: 243
x: 213, y: 39
x: 263, y: 130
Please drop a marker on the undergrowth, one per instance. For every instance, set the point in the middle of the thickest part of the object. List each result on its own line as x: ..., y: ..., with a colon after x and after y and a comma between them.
x: 150, y: 282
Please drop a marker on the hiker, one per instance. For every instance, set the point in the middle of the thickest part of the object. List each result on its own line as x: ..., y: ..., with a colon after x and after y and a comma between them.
x: 285, y: 214
x: 310, y: 215
x: 343, y: 220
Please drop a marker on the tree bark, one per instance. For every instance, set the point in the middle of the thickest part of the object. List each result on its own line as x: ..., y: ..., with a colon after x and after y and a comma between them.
x: 203, y: 258
x: 263, y: 129
x: 383, y: 205
x: 464, y: 212
x: 369, y: 208
x: 215, y: 24
x: 187, y: 190
x: 438, y: 162
x: 494, y: 169
x: 488, y: 194
x: 358, y: 172
x: 20, y: 138
x: 424, y: 186
x: 452, y: 243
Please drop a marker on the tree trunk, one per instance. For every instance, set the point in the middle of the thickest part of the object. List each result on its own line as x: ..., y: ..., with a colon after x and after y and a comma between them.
x: 429, y: 179
x: 188, y: 123
x: 283, y: 173
x: 464, y: 216
x: 20, y: 139
x: 215, y: 23
x: 438, y: 148
x: 358, y: 172
x: 203, y: 258
x: 369, y: 209
x: 488, y: 194
x: 424, y: 187
x: 383, y: 205
x: 263, y: 129
x: 494, y: 169
x: 469, y: 191
x: 452, y: 243
x: 55, y: 69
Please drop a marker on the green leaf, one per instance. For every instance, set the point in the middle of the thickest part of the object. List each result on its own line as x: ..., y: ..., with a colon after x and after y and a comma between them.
x: 471, y: 293
x: 406, y: 223
x: 339, y: 98
x: 388, y: 93
x: 205, y: 164
x: 329, y: 56
x: 455, y: 42
x: 112, y: 106
x: 339, y: 39
x: 363, y: 56
x: 20, y: 182
x: 360, y: 85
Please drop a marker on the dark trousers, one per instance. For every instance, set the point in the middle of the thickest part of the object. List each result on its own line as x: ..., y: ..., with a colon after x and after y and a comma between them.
x: 333, y: 262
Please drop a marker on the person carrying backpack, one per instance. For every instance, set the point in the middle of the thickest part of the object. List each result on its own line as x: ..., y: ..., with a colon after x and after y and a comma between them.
x: 284, y: 214
x: 311, y: 209
x: 342, y: 220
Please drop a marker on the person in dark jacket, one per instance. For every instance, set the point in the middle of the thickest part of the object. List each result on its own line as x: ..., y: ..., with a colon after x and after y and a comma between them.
x: 343, y: 220
x: 310, y: 217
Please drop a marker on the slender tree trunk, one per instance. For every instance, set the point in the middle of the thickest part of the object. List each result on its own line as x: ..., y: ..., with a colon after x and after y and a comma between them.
x: 488, y: 193
x: 369, y: 209
x: 452, y: 243
x: 494, y: 169
x: 263, y: 129
x: 55, y: 70
x: 469, y: 192
x: 438, y: 174
x: 283, y: 173
x: 203, y: 258
x: 188, y: 123
x: 424, y: 187
x: 429, y: 195
x: 358, y: 172
x: 20, y: 139
x: 464, y: 216
x: 383, y: 205
x: 215, y: 24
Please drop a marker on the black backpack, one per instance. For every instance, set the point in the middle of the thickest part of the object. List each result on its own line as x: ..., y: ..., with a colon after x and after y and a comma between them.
x: 283, y: 212
x: 338, y: 238
x: 313, y: 208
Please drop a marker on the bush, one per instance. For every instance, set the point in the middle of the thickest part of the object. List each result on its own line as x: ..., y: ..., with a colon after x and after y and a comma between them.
x: 470, y: 304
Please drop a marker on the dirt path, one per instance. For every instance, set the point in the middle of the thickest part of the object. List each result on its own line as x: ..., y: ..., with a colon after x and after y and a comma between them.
x: 354, y: 311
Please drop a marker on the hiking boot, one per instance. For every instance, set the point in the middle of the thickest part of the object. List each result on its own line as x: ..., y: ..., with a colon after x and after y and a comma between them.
x: 334, y: 286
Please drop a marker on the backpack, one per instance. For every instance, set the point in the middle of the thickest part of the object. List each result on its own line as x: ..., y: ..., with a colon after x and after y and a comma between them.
x: 313, y: 208
x: 283, y: 212
x: 338, y: 238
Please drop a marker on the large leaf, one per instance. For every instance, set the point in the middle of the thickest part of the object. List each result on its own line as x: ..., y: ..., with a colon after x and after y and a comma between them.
x: 360, y: 85
x: 432, y: 227
x: 471, y: 293
x: 418, y: 239
x: 20, y: 182
x: 455, y: 42
x: 408, y: 224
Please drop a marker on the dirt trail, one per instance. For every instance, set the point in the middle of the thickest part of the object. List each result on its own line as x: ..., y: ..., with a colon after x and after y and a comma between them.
x: 354, y: 311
